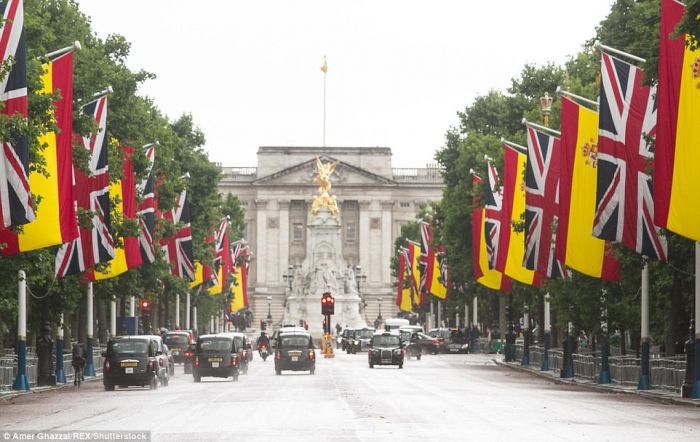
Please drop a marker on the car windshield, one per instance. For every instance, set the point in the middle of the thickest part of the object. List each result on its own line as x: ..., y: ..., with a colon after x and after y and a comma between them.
x: 458, y: 337
x: 294, y: 341
x: 127, y: 348
x: 215, y: 345
x: 239, y: 341
x: 364, y: 334
x: 386, y: 340
x: 176, y: 339
x: 405, y: 334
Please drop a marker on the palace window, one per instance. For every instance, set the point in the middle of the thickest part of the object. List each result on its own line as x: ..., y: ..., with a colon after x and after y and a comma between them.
x: 297, y: 232
x: 350, y: 233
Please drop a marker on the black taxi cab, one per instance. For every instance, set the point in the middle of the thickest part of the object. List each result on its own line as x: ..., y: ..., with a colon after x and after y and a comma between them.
x: 295, y: 352
x: 385, y: 349
x: 215, y: 356
x: 133, y: 361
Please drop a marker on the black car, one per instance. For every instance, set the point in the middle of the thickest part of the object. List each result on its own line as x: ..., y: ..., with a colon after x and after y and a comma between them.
x: 458, y: 342
x: 215, y: 356
x: 358, y: 340
x: 385, y: 349
x: 245, y: 354
x: 295, y: 351
x: 133, y: 361
x: 345, y: 337
x: 177, y: 342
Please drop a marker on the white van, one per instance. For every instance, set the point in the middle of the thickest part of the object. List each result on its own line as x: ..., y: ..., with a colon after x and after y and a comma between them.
x: 395, y: 323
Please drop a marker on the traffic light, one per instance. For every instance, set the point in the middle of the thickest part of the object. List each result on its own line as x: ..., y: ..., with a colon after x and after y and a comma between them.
x: 145, y: 315
x: 145, y: 306
x: 327, y: 304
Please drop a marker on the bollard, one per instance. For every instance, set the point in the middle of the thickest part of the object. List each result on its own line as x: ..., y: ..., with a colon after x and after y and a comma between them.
x: 604, y: 377
x: 687, y: 388
x: 21, y: 381
x: 545, y: 354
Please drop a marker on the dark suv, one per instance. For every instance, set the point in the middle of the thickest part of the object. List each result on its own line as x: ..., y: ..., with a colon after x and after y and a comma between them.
x: 345, y: 338
x: 295, y: 351
x: 133, y: 361
x: 215, y: 356
x: 385, y: 349
x: 358, y: 340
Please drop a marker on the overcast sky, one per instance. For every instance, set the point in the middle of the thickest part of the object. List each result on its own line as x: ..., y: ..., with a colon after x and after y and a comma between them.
x: 398, y: 71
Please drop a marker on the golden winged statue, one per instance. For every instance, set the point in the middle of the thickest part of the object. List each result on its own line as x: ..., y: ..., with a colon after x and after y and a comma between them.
x: 323, y: 180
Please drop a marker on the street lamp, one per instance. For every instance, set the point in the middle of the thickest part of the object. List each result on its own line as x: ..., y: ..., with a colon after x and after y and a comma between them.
x: 546, y: 107
x: 289, y: 276
x: 269, y: 308
x: 379, y: 316
x: 359, y: 277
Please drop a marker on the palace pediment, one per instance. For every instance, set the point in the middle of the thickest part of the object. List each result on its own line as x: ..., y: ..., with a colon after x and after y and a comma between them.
x: 303, y: 174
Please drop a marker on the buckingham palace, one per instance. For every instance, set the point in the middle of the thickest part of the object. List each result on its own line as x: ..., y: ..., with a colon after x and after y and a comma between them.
x: 374, y: 200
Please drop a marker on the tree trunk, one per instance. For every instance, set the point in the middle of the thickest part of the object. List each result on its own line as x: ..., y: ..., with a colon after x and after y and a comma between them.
x: 674, y: 318
x: 623, y: 346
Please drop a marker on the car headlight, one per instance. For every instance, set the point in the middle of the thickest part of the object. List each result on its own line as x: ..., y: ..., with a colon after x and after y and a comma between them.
x: 397, y: 351
x: 357, y: 342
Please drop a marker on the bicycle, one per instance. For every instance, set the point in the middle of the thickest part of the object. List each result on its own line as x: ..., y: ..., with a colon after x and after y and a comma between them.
x: 78, y: 375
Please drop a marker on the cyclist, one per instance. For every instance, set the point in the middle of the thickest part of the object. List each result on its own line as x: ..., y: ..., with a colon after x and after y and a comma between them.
x: 78, y: 362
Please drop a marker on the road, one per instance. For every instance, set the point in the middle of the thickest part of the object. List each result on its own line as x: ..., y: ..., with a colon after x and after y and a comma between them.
x: 449, y: 397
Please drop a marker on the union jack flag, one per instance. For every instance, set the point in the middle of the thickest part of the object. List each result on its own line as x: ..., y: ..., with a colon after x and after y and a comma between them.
x: 94, y: 245
x: 222, y: 255
x: 624, y: 204
x: 16, y: 205
x: 427, y: 258
x: 541, y: 204
x: 178, y: 249
x: 236, y: 250
x: 146, y: 210
x: 493, y: 203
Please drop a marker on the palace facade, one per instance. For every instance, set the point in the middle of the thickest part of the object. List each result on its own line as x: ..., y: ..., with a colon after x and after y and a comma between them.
x: 374, y: 199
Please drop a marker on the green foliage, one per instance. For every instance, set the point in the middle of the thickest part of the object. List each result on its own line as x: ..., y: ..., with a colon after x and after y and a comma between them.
x: 132, y: 121
x: 632, y: 26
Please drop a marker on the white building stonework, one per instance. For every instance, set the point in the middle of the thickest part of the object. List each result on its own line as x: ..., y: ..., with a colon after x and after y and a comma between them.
x: 374, y: 199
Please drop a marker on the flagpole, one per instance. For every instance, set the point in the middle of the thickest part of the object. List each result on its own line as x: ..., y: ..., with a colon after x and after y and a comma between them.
x: 561, y: 91
x: 540, y: 127
x: 324, y: 69
x: 515, y: 146
x: 604, y: 48
x: 644, y: 359
x: 58, y: 52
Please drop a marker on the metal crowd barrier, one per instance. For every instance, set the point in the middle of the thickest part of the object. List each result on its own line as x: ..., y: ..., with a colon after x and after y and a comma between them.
x: 8, y: 367
x: 666, y: 373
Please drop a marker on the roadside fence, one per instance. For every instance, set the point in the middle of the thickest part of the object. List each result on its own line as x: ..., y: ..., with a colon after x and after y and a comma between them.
x: 8, y: 367
x: 666, y: 372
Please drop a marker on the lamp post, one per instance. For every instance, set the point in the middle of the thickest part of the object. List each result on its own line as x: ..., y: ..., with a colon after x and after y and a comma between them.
x: 379, y: 316
x: 546, y: 108
x: 269, y: 310
x: 359, y: 277
x: 289, y: 276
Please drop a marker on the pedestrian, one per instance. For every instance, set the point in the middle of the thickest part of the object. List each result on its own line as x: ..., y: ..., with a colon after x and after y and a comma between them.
x: 338, y: 328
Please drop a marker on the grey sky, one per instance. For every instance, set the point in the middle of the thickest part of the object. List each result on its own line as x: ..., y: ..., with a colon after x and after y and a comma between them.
x: 249, y: 71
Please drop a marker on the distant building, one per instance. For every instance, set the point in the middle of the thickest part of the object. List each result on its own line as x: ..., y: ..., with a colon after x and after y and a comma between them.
x: 375, y: 200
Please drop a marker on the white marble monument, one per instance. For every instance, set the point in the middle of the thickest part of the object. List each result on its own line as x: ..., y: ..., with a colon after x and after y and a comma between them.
x: 324, y: 269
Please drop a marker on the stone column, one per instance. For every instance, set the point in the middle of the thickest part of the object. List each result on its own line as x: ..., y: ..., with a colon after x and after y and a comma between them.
x: 261, y: 232
x: 284, y: 238
x: 387, y: 240
x: 364, y: 236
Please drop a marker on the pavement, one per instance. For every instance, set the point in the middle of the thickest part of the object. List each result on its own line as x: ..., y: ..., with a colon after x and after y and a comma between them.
x: 658, y: 395
x: 440, y: 397
x: 8, y: 395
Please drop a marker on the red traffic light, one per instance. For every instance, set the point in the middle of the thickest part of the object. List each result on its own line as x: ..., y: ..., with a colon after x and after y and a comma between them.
x: 145, y: 305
